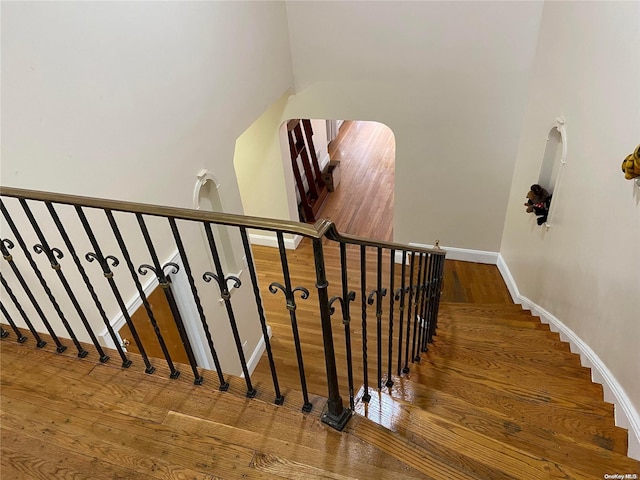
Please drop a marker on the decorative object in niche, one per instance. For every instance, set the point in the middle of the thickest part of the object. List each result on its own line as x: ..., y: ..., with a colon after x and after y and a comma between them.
x: 553, y: 162
x: 538, y: 203
x: 631, y: 165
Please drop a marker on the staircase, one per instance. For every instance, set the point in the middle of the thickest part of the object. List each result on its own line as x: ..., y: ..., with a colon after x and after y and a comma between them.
x: 490, y: 394
x: 497, y: 396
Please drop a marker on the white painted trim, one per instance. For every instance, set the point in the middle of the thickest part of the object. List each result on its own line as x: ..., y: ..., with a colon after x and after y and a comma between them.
x: 626, y: 416
x: 558, y: 124
x: 257, y: 353
x: 290, y: 243
x: 465, y: 254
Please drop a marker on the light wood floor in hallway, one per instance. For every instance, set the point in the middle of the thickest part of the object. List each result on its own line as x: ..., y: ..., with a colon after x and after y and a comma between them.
x: 497, y: 396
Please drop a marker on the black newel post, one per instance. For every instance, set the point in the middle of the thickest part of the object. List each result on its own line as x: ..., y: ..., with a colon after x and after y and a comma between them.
x: 335, y: 415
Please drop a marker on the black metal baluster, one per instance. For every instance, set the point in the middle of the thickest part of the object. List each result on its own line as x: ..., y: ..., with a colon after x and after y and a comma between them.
x: 65, y: 237
x: 378, y: 293
x: 108, y: 274
x: 392, y: 264
x: 335, y: 415
x: 226, y: 296
x: 427, y: 303
x: 415, y: 290
x: 418, y: 301
x: 20, y: 338
x: 39, y: 342
x: 263, y: 322
x: 363, y: 292
x: 409, y: 304
x: 348, y: 296
x: 399, y: 295
x: 436, y: 301
x: 54, y: 254
x: 224, y: 386
x: 345, y: 300
x: 163, y: 281
x: 417, y: 324
x: 432, y: 300
x: 289, y: 294
x: 59, y: 346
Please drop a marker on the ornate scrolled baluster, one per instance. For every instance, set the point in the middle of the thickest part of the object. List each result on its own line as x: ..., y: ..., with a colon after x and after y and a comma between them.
x: 23, y: 246
x: 289, y: 294
x: 222, y: 281
x: 108, y: 274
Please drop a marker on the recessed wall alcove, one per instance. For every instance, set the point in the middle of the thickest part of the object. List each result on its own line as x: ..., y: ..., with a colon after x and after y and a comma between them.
x: 553, y: 162
x: 206, y: 196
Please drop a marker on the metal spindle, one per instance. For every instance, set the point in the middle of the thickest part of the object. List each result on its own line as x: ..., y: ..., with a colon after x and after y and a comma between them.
x: 59, y: 346
x: 392, y: 265
x: 108, y: 274
x: 348, y: 297
x: 162, y: 281
x: 279, y: 400
x: 65, y: 237
x: 432, y: 301
x: 426, y: 306
x: 417, y: 321
x: 19, y: 336
x: 378, y: 293
x: 335, y: 414
x: 409, y: 304
x: 226, y: 297
x: 54, y: 254
x: 363, y: 293
x: 224, y: 386
x: 399, y: 295
x: 436, y: 301
x: 39, y: 342
x: 289, y: 294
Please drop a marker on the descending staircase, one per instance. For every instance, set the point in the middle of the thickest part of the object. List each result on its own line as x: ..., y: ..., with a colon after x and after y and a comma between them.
x: 498, y: 396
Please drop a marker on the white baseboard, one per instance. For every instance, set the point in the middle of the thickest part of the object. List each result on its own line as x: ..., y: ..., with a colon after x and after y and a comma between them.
x: 465, y: 254
x: 290, y: 243
x: 257, y: 353
x: 626, y: 416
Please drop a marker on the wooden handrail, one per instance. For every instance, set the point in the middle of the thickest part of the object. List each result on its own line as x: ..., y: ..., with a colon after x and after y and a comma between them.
x: 322, y: 228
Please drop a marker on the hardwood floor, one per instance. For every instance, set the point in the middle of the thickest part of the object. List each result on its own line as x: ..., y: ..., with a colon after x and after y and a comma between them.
x: 497, y: 395
x: 363, y: 202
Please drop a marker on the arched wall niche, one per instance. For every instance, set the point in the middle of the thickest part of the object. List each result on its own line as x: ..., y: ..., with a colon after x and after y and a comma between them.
x: 553, y: 162
x: 206, y: 196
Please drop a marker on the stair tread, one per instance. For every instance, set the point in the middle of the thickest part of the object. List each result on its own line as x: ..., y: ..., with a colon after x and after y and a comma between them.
x: 417, y: 457
x: 522, y: 409
x: 140, y: 431
x: 480, y: 451
x: 521, y: 321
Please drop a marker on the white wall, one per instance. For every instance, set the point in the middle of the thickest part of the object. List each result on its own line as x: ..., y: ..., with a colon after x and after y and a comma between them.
x: 586, y: 269
x: 258, y: 161
x: 130, y: 100
x: 450, y: 80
